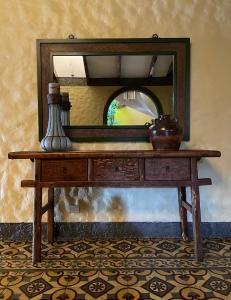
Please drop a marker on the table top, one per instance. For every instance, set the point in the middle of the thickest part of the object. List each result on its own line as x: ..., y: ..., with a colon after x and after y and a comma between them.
x: 112, y: 154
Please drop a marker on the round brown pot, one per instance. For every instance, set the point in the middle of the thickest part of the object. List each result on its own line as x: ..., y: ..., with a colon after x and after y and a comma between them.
x: 165, y: 133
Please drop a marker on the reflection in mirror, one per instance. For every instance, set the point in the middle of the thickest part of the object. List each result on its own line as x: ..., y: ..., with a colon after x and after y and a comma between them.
x: 131, y: 108
x: 91, y: 81
x: 128, y: 107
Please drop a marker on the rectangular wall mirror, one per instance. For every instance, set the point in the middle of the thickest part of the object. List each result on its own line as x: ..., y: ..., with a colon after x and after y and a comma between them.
x: 116, y: 86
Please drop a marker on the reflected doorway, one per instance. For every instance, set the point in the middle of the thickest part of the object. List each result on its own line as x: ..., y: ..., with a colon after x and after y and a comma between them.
x: 128, y: 106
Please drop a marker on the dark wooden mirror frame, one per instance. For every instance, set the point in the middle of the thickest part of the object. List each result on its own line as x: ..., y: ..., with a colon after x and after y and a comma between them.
x: 178, y: 47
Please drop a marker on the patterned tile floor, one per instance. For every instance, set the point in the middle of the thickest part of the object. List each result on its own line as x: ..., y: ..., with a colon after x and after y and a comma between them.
x: 129, y: 269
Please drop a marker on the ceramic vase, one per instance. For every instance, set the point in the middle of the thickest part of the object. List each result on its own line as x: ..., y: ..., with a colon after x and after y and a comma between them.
x: 55, y: 138
x: 165, y: 133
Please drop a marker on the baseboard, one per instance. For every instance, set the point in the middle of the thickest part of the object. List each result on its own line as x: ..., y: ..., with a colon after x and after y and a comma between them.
x: 81, y: 230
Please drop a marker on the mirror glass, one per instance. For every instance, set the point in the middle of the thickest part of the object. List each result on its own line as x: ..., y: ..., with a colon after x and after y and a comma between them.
x: 94, y: 84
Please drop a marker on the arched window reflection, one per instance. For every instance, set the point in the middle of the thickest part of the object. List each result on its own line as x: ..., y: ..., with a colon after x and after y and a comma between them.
x: 132, y: 107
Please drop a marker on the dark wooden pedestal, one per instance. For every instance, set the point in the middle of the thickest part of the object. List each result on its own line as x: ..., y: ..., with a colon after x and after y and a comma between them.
x: 116, y: 169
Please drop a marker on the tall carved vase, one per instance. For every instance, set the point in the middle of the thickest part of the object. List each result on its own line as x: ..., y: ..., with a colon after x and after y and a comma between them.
x: 55, y: 138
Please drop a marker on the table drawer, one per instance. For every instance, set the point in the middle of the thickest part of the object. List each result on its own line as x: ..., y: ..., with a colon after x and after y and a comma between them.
x: 167, y: 169
x: 115, y: 169
x: 63, y: 170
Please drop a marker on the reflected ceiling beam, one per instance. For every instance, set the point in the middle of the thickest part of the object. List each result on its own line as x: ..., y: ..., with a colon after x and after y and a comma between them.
x: 55, y: 79
x: 131, y: 81
x: 118, y: 66
x: 72, y: 81
x: 170, y: 69
x: 86, y: 68
x: 152, y: 65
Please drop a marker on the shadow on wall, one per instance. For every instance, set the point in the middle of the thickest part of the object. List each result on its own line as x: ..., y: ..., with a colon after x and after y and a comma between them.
x: 206, y: 169
x: 88, y: 204
x: 116, y: 209
x: 212, y: 195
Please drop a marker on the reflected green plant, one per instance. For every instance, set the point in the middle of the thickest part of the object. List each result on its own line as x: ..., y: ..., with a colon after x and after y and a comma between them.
x: 111, y: 113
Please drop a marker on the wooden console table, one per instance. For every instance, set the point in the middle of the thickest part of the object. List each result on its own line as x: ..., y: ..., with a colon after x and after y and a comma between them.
x: 116, y: 169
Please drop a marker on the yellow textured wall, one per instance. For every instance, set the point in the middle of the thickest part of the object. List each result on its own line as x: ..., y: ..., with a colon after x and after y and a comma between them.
x: 88, y: 103
x: 165, y: 95
x: 206, y: 22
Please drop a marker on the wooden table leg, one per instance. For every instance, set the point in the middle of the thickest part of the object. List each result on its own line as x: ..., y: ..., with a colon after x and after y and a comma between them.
x: 37, y: 224
x: 196, y: 213
x: 196, y: 216
x: 50, y: 225
x: 183, y: 213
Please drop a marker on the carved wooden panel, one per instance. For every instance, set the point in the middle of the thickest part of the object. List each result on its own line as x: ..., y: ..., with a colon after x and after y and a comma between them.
x: 116, y: 169
x: 167, y: 169
x: 61, y: 170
